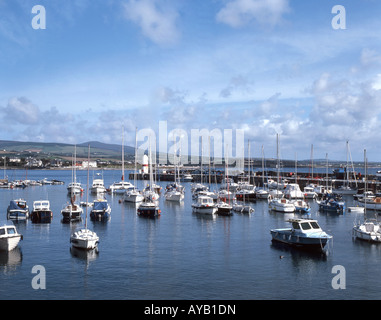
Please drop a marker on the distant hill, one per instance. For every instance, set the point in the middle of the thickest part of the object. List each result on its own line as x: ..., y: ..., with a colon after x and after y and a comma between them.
x: 63, y: 150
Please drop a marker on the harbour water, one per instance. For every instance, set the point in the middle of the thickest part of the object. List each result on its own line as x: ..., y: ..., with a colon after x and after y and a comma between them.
x: 180, y: 255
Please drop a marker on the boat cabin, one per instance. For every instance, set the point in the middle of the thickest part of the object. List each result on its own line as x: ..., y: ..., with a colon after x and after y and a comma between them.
x: 305, y: 225
x: 205, y: 201
x: 41, y: 205
x: 7, y: 230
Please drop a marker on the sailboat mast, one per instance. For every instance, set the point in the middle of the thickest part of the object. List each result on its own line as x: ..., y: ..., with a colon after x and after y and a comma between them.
x: 136, y: 148
x: 87, y: 186
x: 123, y: 154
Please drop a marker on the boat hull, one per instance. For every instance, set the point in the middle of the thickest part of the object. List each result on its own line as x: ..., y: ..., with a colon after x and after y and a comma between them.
x: 10, y: 242
x: 298, y: 240
x: 207, y: 210
x: 41, y: 216
x: 149, y: 211
x: 100, y: 215
x: 18, y: 214
x: 84, y: 239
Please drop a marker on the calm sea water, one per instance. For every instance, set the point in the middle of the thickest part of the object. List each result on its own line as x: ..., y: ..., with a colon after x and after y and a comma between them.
x: 180, y: 255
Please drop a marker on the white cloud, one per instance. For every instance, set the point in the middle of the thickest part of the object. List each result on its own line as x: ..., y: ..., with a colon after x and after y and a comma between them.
x: 157, y: 22
x: 237, y: 13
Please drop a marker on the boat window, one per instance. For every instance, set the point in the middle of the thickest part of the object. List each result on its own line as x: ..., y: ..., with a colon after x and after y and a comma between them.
x: 314, y: 225
x: 2, y: 231
x: 305, y: 226
x: 11, y: 230
x: 295, y: 225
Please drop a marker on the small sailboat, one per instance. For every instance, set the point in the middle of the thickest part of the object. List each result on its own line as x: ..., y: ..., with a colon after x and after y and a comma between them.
x: 74, y: 186
x: 85, y: 238
x: 149, y: 207
x: 369, y: 229
x: 132, y: 194
x: 122, y: 186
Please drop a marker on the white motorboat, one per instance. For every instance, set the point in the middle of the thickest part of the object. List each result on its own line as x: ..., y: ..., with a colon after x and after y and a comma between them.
x: 309, y: 192
x: 149, y: 209
x: 18, y: 210
x: 9, y: 237
x: 261, y: 193
x: 281, y: 205
x: 174, y: 195
x: 293, y: 191
x: 187, y: 177
x: 74, y: 187
x: 204, y: 205
x: 304, y: 233
x: 98, y: 186
x: 120, y: 187
x: 41, y: 212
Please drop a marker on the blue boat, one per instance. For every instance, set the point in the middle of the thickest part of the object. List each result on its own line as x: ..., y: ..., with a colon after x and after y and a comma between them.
x: 332, y: 204
x: 18, y: 210
x: 304, y: 233
x: 101, y: 210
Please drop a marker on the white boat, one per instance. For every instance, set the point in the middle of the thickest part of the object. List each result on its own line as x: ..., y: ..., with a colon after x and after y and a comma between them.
x: 98, y: 186
x: 242, y: 208
x: 41, y: 212
x: 174, y: 195
x: 122, y: 186
x: 305, y: 233
x: 84, y: 238
x: 149, y: 207
x: 74, y: 187
x: 281, y: 205
x: 369, y: 229
x: 261, y: 193
x: 9, y: 237
x: 72, y: 211
x: 371, y: 204
x: 224, y: 209
x: 345, y: 190
x: 309, y: 192
x: 301, y: 206
x: 133, y: 195
x: 18, y: 210
x: 293, y: 191
x: 204, y: 205
x: 187, y: 177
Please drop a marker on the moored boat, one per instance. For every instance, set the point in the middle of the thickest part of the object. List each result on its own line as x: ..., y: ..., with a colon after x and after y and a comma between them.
x: 18, y: 210
x: 101, y: 210
x: 303, y: 233
x: 9, y: 237
x: 204, y: 205
x: 41, y: 212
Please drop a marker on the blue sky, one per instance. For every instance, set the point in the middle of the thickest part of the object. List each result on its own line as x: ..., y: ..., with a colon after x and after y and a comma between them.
x: 264, y: 66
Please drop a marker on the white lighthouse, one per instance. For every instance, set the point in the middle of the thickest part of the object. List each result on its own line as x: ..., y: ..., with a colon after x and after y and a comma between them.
x: 145, y: 164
